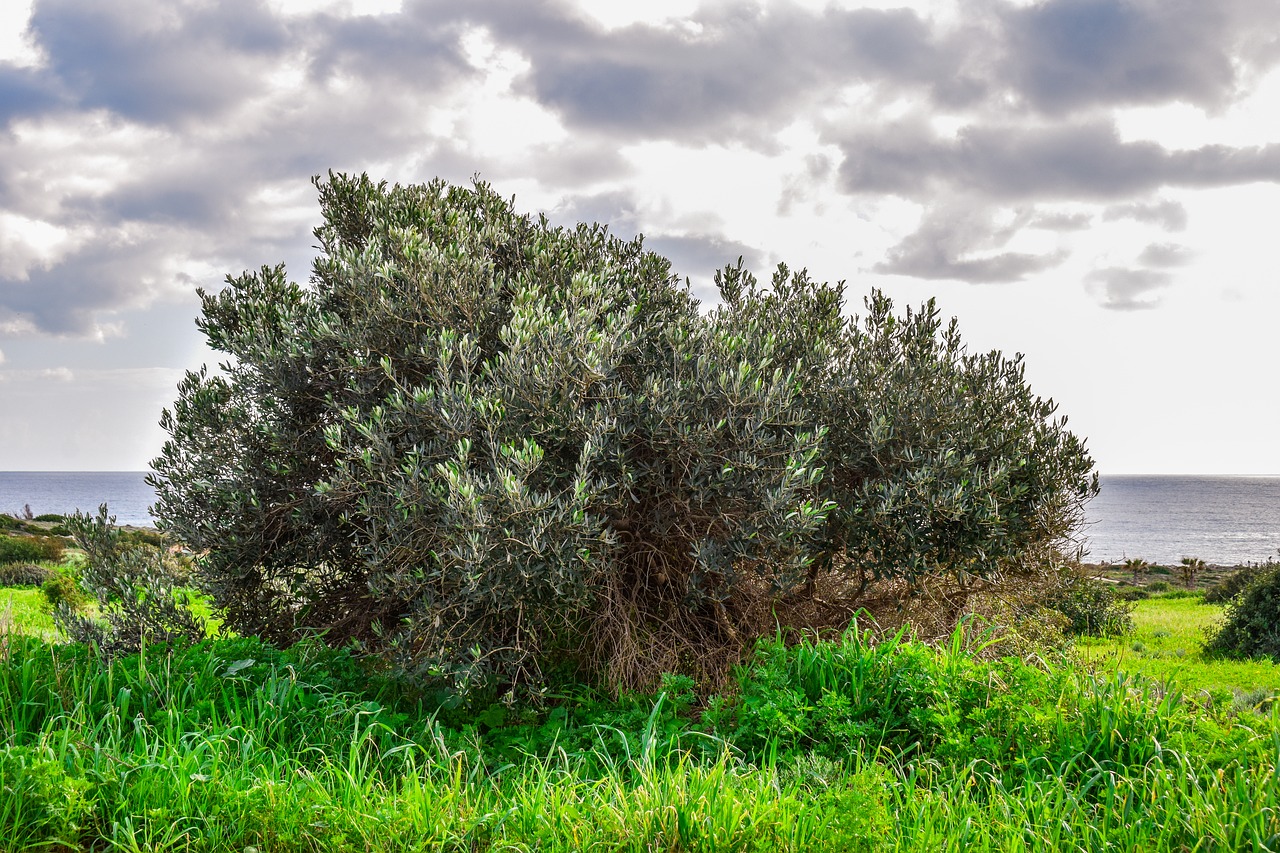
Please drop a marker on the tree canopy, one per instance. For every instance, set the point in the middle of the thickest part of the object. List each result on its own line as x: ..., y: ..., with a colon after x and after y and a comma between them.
x: 473, y: 440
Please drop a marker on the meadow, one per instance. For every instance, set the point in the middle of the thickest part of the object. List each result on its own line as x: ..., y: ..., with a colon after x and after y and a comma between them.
x: 865, y: 744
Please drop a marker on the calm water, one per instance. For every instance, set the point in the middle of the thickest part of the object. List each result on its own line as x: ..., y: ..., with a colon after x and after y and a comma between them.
x: 125, y: 493
x: 1225, y: 520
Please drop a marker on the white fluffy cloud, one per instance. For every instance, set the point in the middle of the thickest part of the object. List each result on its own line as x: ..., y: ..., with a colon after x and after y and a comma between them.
x: 1037, y: 166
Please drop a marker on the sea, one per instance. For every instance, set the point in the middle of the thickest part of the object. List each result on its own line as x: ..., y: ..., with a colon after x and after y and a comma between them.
x: 1222, y: 520
x: 126, y: 493
x: 1225, y: 521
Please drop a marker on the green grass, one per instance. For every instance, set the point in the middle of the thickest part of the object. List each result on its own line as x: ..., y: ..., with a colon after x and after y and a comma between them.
x: 24, y: 610
x: 855, y: 745
x: 1166, y: 645
x: 847, y: 746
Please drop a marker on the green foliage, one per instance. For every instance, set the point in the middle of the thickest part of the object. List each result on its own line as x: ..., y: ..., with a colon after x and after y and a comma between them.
x: 25, y: 611
x: 30, y: 549
x: 62, y: 590
x: 50, y: 516
x: 1236, y: 582
x: 1093, y: 608
x: 24, y: 574
x: 1137, y: 566
x: 141, y: 536
x: 1189, y: 569
x: 40, y: 803
x: 475, y: 442
x: 140, y: 601
x: 1170, y: 633
x: 936, y: 460
x: 1251, y: 624
x: 945, y: 706
x: 231, y: 744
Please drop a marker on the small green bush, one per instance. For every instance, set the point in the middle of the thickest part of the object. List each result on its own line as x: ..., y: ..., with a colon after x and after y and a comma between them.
x: 140, y: 598
x: 1158, y: 587
x: 24, y: 574
x: 30, y: 549
x: 1235, y: 583
x: 142, y: 536
x: 1092, y: 606
x: 42, y: 805
x: 1133, y: 593
x: 50, y: 516
x: 1251, y: 625
x: 63, y: 589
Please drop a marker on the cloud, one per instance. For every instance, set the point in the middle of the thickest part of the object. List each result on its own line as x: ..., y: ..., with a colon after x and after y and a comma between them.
x: 731, y: 66
x: 1126, y: 289
x: 1061, y: 221
x: 1167, y: 213
x: 1085, y: 162
x: 618, y: 209
x: 23, y: 92
x: 66, y: 298
x: 961, y: 241
x: 154, y: 62
x: 171, y: 142
x: 700, y: 256
x: 1065, y: 55
x: 1165, y: 255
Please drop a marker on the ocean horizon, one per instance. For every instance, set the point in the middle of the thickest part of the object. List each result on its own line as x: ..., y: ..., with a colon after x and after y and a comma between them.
x: 1223, y: 520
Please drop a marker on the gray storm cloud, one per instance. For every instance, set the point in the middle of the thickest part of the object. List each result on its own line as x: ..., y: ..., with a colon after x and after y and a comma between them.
x: 237, y: 106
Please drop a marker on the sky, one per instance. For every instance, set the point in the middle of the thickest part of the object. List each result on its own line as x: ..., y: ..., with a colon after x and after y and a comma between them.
x: 1093, y: 183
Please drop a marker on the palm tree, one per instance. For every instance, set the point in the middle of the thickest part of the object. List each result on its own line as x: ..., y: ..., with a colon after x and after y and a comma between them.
x: 1138, y: 566
x: 1191, y: 566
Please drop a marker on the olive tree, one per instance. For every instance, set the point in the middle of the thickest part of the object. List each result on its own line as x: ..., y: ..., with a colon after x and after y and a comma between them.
x: 474, y: 436
x: 473, y: 439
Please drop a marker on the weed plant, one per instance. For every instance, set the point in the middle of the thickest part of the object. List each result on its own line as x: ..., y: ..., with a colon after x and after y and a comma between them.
x: 30, y: 549
x: 1251, y: 624
x: 850, y: 745
x: 1235, y: 583
x: 24, y: 574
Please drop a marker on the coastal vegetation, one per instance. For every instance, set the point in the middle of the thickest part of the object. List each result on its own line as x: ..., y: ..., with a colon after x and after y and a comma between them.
x: 860, y: 743
x: 491, y: 538
x: 476, y: 443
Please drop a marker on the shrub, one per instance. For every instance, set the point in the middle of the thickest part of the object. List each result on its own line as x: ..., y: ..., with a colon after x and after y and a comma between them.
x: 51, y: 516
x: 1251, y: 625
x: 1235, y: 583
x: 140, y: 602
x: 43, y: 807
x: 30, y: 549
x: 24, y: 574
x: 476, y: 439
x: 63, y: 590
x: 1091, y: 606
x: 141, y: 536
x: 1189, y: 569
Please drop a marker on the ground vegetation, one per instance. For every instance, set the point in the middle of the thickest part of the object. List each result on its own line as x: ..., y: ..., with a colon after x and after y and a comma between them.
x: 474, y: 442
